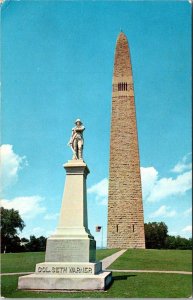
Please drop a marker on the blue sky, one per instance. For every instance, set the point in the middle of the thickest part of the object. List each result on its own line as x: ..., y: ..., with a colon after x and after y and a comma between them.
x: 57, y: 64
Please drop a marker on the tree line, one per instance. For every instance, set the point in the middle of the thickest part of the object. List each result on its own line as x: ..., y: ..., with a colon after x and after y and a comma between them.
x: 11, y: 224
x: 156, y: 236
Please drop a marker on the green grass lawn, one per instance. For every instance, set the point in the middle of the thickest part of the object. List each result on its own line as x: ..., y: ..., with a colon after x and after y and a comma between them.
x: 139, y: 259
x: 125, y: 285
x: 26, y: 261
x: 20, y: 262
x: 102, y: 253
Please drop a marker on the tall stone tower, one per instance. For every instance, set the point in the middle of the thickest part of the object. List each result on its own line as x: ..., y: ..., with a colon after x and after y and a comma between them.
x: 125, y: 208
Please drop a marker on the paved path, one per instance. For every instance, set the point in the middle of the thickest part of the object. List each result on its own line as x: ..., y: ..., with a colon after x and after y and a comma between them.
x: 110, y: 259
x: 19, y: 273
x: 121, y: 271
x: 152, y: 271
x: 106, y: 262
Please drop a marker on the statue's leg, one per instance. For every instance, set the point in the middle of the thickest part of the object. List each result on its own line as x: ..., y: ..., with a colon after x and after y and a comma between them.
x: 79, y: 149
x: 75, y: 146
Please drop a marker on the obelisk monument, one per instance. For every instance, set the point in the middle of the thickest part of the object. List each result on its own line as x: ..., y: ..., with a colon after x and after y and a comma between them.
x: 125, y: 208
x: 70, y: 260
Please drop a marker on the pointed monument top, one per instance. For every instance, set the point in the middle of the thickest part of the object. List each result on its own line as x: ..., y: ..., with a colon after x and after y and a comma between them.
x: 122, y: 41
x: 121, y: 36
x: 121, y: 32
x: 122, y: 65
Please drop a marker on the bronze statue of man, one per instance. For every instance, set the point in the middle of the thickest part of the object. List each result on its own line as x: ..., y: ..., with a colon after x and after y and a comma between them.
x: 76, y: 141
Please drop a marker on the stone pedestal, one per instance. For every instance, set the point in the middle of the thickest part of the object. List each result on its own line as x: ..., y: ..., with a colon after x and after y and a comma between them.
x: 70, y: 261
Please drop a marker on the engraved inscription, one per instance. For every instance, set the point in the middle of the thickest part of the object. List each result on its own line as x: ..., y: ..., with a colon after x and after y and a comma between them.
x: 65, y: 270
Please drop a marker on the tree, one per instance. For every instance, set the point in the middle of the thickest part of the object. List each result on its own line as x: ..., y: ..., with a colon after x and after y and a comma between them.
x: 155, y: 235
x: 36, y: 244
x: 11, y: 223
x: 178, y: 242
x: 24, y: 240
x: 170, y: 242
x: 42, y: 243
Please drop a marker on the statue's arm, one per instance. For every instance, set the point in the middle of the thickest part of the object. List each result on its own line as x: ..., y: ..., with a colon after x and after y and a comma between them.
x: 71, y: 138
x: 73, y: 131
x: 82, y: 128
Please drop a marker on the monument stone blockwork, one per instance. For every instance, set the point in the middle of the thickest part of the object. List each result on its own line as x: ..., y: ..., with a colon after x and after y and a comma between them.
x: 125, y: 208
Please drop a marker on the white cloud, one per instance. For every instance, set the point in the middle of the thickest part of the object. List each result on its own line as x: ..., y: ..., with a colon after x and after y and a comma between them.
x: 173, y: 233
x: 52, y: 216
x: 183, y: 165
x: 166, y: 187
x: 100, y: 190
x: 187, y: 229
x: 28, y: 207
x: 187, y: 211
x: 163, y: 211
x: 155, y: 188
x: 102, y: 201
x: 149, y: 177
x: 11, y: 163
x: 37, y: 231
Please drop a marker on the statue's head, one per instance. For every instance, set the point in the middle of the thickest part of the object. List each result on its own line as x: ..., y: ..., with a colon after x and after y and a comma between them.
x: 78, y: 122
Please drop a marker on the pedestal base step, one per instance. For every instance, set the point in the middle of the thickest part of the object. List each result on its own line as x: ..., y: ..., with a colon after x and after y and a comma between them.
x: 65, y: 282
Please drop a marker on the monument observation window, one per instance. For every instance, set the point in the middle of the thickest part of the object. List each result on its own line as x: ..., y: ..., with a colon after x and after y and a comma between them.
x: 122, y: 86
x: 117, y: 228
x: 133, y: 228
